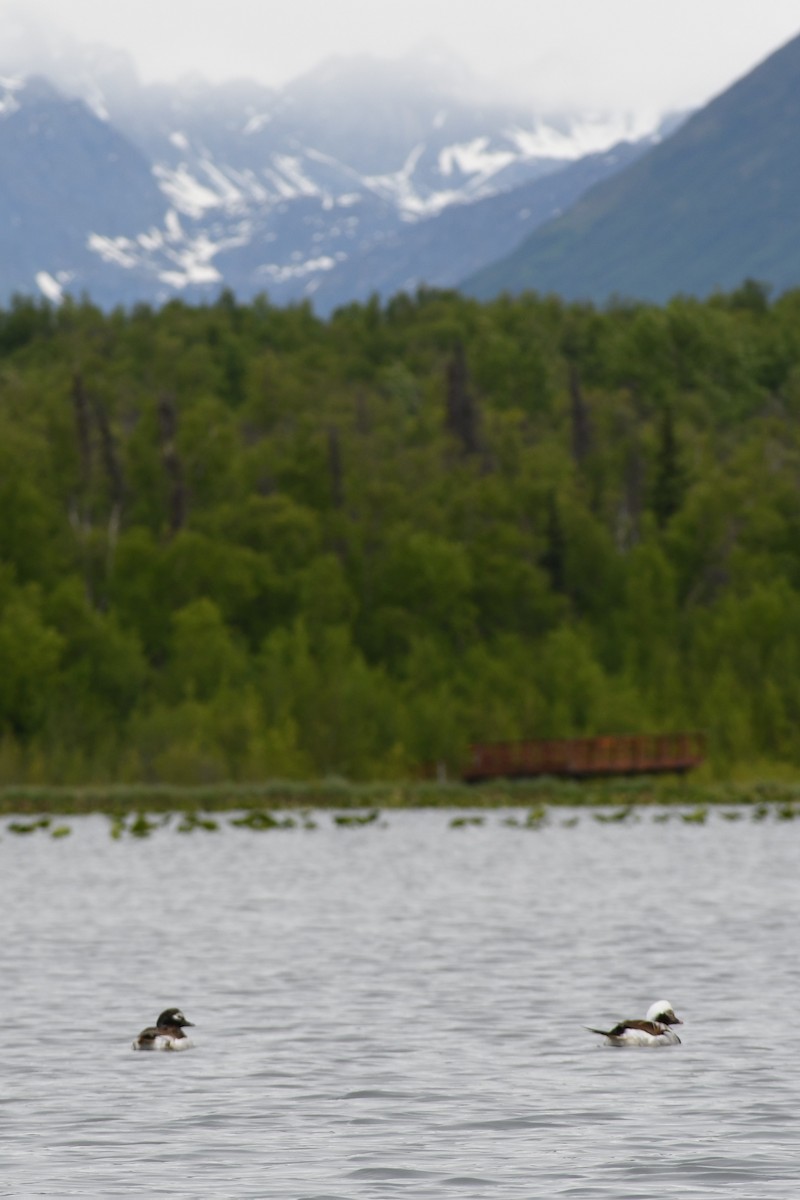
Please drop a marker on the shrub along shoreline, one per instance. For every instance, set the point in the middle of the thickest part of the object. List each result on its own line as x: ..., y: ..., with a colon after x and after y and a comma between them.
x: 340, y: 794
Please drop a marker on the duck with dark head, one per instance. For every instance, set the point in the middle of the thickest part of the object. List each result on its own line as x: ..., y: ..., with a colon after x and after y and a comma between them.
x: 166, y: 1034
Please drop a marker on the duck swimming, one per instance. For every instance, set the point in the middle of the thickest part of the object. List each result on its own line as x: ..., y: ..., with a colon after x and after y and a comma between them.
x: 654, y: 1030
x: 166, y: 1034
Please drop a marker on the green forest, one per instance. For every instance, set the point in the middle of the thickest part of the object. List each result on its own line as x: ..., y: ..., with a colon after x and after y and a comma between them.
x: 240, y: 542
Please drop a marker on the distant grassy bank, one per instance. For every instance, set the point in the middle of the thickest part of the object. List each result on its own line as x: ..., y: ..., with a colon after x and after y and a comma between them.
x: 338, y: 793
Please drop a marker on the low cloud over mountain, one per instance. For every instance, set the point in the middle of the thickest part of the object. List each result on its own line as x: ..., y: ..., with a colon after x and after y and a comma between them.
x: 361, y: 176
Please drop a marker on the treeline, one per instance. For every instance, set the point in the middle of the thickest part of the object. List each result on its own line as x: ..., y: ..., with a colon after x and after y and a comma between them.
x: 240, y: 542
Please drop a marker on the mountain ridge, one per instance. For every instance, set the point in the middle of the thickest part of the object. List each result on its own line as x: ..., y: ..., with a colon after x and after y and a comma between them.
x: 291, y: 191
x: 710, y: 205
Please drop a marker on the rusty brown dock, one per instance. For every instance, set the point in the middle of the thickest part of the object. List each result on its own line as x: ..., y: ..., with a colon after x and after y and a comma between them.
x: 585, y: 757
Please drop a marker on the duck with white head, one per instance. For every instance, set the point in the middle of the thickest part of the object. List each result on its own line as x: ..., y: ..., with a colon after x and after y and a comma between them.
x: 655, y: 1030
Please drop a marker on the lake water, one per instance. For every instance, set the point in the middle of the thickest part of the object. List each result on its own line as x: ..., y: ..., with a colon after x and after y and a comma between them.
x: 398, y: 1011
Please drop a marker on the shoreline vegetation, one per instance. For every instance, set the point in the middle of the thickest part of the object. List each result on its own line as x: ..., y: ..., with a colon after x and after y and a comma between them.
x: 335, y: 794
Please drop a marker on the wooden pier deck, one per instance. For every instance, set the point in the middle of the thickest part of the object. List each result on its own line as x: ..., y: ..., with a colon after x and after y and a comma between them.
x: 584, y: 757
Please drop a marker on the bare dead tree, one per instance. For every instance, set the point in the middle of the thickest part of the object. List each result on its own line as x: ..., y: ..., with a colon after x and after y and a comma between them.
x: 363, y: 422
x: 632, y: 501
x: 580, y: 417
x: 335, y: 469
x: 114, y: 476
x: 462, y: 418
x: 110, y: 456
x: 83, y: 435
x: 173, y: 468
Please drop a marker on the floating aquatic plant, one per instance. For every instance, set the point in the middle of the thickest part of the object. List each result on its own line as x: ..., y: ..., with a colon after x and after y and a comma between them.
x: 356, y: 819
x: 24, y: 827
x: 535, y: 818
x: 28, y: 826
x: 192, y: 820
x: 697, y: 816
x: 463, y: 822
x: 141, y: 827
x: 261, y: 820
x: 117, y: 826
x: 620, y: 814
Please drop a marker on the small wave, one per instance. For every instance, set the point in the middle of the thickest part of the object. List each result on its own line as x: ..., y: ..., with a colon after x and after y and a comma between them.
x: 389, y: 1173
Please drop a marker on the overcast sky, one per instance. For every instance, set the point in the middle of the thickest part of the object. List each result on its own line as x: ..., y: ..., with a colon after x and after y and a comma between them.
x: 633, y: 53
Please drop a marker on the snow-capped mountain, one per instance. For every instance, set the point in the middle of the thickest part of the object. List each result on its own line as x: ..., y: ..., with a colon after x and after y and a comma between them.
x: 131, y: 192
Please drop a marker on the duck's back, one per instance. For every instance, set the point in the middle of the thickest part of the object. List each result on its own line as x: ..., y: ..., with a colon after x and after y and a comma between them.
x: 642, y: 1033
x: 158, y: 1038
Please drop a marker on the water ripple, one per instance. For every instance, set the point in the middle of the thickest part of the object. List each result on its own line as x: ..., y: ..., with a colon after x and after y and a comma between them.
x: 401, y: 1012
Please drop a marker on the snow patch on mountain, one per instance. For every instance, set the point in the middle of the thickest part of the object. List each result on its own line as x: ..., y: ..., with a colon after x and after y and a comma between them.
x: 8, y: 101
x: 184, y: 191
x: 192, y: 264
x: 249, y: 185
x: 117, y: 251
x: 399, y: 188
x: 50, y: 288
x: 173, y: 255
x: 256, y: 123
x: 568, y: 141
x: 95, y: 101
x: 282, y: 273
x: 230, y: 196
x: 195, y: 186
x: 290, y: 171
x: 474, y: 158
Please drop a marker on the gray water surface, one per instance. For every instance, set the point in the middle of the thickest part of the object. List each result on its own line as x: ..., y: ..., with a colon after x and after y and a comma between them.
x: 398, y: 1011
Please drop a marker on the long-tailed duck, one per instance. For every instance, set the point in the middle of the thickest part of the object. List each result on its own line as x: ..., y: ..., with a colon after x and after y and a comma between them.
x: 654, y: 1030
x: 166, y: 1034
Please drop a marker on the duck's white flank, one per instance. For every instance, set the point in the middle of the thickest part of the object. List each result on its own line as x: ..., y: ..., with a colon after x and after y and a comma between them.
x: 164, y: 1042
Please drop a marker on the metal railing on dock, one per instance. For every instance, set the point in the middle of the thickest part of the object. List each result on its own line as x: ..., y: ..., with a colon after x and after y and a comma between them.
x: 584, y: 757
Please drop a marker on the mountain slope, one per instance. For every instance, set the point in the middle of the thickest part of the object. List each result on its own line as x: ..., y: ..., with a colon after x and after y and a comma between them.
x: 440, y: 251
x: 66, y: 177
x: 330, y: 188
x: 716, y: 202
